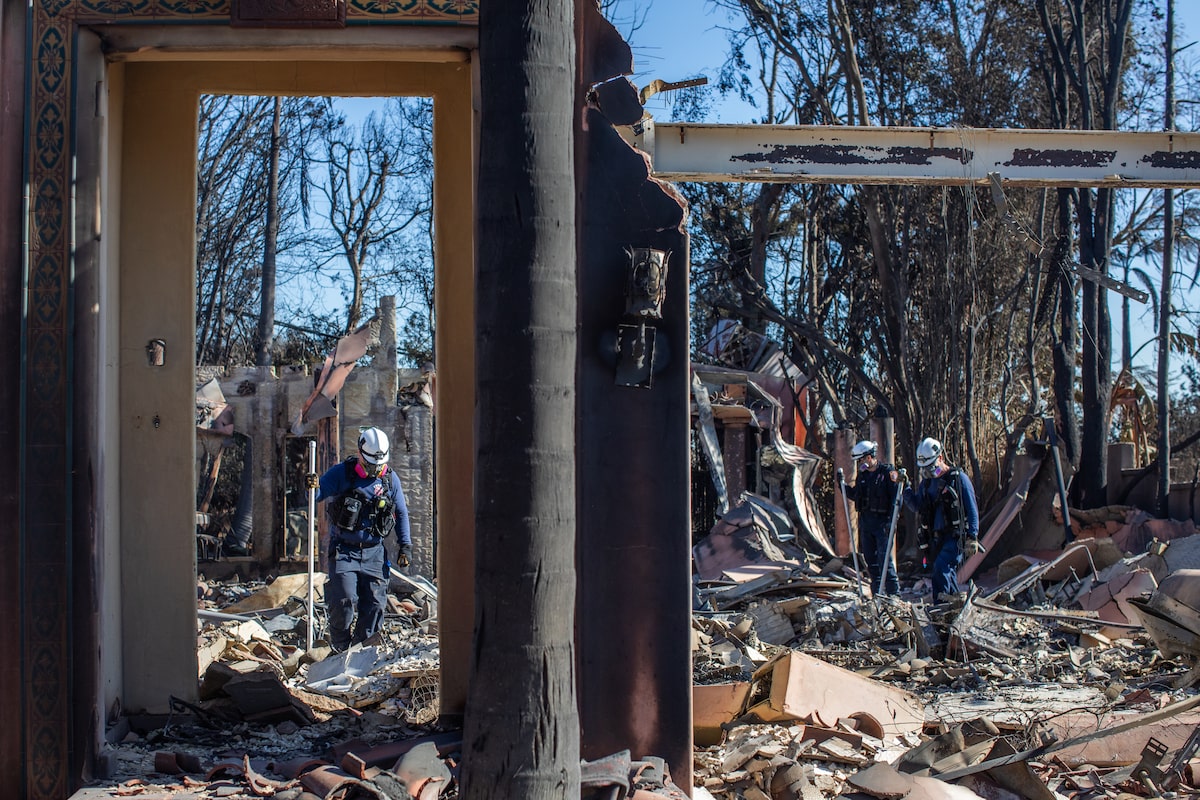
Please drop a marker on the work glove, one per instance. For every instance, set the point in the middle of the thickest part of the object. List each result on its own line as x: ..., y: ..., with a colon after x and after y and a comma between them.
x: 312, y: 481
x: 970, y: 547
x: 402, y: 559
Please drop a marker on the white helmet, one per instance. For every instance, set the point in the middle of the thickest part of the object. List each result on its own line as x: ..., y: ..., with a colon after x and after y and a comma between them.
x: 863, y: 449
x: 928, y: 451
x: 373, y: 446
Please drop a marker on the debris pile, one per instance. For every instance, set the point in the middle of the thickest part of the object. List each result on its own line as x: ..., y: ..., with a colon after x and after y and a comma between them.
x: 1072, y: 676
x: 805, y: 685
x: 277, y: 719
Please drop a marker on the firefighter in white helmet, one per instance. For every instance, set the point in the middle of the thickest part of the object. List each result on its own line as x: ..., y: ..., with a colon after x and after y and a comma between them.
x: 949, y: 517
x: 874, y: 493
x: 365, y: 505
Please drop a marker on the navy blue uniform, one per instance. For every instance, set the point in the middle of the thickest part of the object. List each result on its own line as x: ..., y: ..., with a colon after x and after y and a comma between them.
x: 358, y: 562
x: 934, y: 499
x: 874, y: 494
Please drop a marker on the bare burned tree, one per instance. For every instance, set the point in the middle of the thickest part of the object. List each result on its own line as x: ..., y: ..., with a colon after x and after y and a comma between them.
x: 368, y: 198
x: 961, y: 313
x: 237, y: 237
x: 229, y: 206
x: 404, y: 267
x: 895, y: 296
x: 1087, y: 49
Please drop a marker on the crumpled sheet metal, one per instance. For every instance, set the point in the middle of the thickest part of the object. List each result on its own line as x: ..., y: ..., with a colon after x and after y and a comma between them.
x: 1183, y: 586
x: 1111, y: 600
x: 338, y: 364
x: 734, y: 548
x: 1172, y: 614
x: 341, y: 672
x: 1171, y: 638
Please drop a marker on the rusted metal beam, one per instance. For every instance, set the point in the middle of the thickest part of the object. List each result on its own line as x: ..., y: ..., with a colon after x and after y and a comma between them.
x: 949, y: 156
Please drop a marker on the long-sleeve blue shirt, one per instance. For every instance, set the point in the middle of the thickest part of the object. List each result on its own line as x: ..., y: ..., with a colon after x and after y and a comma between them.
x: 927, y: 496
x: 344, y: 478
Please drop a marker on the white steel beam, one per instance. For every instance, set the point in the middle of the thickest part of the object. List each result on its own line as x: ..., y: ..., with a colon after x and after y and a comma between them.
x: 954, y: 156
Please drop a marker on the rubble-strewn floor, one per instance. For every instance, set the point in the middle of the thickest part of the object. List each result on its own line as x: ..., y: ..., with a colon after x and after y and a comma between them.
x: 1049, y: 684
x: 805, y: 688
x: 269, y: 707
x: 1063, y: 680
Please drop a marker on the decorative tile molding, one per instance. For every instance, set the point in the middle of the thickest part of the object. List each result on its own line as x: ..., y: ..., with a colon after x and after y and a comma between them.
x: 46, y: 536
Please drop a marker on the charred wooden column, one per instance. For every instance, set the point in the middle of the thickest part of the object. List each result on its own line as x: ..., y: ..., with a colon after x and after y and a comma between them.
x: 633, y: 485
x: 734, y: 448
x: 521, y: 732
x: 840, y: 443
x: 882, y: 433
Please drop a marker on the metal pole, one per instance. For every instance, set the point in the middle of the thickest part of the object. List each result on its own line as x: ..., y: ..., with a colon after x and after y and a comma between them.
x: 1052, y: 440
x: 853, y: 538
x: 1164, y: 306
x: 889, y: 557
x: 312, y: 538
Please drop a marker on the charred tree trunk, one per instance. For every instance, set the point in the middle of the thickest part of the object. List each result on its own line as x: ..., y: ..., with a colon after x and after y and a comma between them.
x: 1066, y: 338
x: 266, y: 314
x: 1097, y: 350
x: 521, y: 736
x: 763, y: 217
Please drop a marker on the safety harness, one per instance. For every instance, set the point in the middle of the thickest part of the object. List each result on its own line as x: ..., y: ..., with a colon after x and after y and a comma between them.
x: 357, y: 509
x: 878, y: 496
x: 948, y: 498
